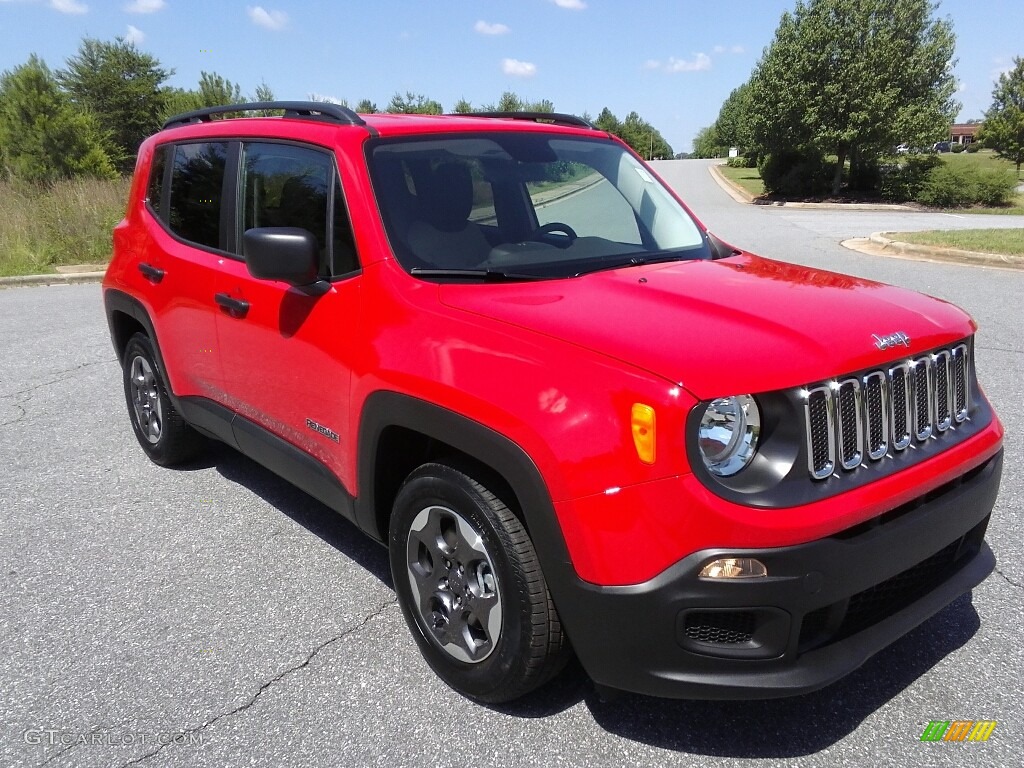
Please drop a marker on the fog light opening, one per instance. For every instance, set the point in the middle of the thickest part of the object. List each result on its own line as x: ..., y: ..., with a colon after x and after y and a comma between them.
x: 734, y: 568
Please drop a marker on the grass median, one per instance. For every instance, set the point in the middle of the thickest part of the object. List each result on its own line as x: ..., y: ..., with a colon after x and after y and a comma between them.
x: 68, y: 222
x: 1002, y: 241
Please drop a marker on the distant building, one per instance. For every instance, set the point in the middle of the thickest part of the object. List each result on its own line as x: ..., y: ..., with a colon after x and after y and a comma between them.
x: 963, y: 133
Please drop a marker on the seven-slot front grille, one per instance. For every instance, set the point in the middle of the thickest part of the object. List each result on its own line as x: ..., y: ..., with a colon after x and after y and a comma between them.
x: 850, y: 420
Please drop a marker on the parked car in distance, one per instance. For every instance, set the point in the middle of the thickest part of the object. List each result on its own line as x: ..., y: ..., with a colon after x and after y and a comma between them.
x: 902, y: 149
x: 579, y: 421
x: 942, y: 146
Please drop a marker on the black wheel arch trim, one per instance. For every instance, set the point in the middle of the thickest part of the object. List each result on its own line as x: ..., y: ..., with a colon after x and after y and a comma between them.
x: 386, y: 409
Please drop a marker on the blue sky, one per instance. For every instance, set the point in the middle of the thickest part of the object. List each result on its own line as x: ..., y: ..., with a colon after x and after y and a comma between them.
x: 672, y: 61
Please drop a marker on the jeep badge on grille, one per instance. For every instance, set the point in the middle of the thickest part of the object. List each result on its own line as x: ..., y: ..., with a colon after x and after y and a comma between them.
x: 892, y: 340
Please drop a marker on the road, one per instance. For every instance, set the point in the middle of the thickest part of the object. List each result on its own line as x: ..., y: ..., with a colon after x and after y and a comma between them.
x: 220, y: 610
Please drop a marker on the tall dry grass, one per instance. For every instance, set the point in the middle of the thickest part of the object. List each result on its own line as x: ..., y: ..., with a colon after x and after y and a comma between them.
x: 68, y: 222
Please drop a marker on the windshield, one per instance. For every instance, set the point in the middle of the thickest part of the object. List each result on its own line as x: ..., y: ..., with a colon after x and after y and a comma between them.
x: 525, y: 205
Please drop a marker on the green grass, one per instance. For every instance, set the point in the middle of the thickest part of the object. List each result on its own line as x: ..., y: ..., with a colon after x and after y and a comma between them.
x: 68, y: 222
x: 1006, y: 241
x: 984, y: 158
x: 748, y: 178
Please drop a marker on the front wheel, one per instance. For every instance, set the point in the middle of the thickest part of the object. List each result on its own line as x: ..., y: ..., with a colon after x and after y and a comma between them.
x: 471, y: 587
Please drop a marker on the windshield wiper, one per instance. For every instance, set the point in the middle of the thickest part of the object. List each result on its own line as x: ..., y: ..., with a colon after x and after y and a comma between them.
x: 636, y: 261
x: 487, y: 275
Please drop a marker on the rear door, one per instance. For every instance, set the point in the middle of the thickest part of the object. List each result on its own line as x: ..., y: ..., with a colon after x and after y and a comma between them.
x: 287, y: 354
x: 181, y: 261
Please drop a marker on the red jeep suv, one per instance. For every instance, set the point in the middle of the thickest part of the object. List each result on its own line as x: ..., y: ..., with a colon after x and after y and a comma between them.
x: 502, y: 347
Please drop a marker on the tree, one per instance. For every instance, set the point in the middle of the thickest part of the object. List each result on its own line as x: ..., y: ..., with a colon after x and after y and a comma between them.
x: 366, y: 107
x: 707, y: 143
x: 1003, y: 129
x: 122, y: 87
x: 217, y: 91
x: 733, y: 126
x: 414, y: 103
x: 608, y: 122
x: 43, y: 137
x: 463, y: 107
x: 643, y: 137
x: 851, y: 78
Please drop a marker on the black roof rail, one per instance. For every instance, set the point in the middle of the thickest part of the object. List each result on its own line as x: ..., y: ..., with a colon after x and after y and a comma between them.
x: 555, y: 118
x: 312, y: 110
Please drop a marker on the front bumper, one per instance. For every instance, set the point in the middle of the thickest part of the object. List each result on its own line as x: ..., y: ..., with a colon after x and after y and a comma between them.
x: 824, y: 609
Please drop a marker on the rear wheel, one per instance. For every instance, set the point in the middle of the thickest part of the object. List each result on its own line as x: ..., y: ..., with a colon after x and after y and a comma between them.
x: 471, y: 587
x: 165, y: 437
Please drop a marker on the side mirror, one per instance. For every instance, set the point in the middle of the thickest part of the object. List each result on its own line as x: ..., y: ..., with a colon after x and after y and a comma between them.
x: 289, y: 254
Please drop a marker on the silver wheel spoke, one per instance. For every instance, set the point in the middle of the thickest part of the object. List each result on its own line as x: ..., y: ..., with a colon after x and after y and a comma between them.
x: 145, y: 396
x: 454, y: 582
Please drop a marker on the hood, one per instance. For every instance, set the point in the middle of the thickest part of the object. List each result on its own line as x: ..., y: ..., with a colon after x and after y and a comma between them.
x: 737, y: 325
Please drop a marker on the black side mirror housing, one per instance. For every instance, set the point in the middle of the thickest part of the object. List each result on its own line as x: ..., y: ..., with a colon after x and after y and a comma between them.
x: 289, y: 254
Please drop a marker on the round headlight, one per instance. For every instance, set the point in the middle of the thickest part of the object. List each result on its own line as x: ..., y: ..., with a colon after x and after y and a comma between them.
x: 728, y: 434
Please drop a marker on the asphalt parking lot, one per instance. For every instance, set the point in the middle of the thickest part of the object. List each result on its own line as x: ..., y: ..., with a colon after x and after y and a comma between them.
x: 215, y: 616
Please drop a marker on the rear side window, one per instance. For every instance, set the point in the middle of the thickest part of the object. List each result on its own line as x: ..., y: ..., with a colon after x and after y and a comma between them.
x: 197, y: 183
x: 155, y: 188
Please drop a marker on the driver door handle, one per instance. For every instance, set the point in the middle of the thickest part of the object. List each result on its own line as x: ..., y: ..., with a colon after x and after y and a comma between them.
x: 235, y: 307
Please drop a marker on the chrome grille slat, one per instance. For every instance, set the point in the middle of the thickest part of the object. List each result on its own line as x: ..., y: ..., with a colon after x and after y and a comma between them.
x: 853, y: 420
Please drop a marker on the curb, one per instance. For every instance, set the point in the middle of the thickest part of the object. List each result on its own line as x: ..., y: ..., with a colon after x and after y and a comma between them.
x: 54, y: 279
x: 741, y: 195
x: 887, y: 246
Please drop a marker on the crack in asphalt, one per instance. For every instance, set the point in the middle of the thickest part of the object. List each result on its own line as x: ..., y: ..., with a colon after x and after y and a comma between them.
x: 78, y: 742
x: 58, y: 376
x: 21, y: 413
x: 277, y: 678
x: 1008, y: 580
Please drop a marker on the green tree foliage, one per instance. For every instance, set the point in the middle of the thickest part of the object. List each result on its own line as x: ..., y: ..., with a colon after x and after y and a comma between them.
x: 366, y: 107
x: 733, y: 127
x: 122, y: 87
x: 1003, y: 129
x: 414, y: 104
x: 851, y: 78
x: 217, y: 91
x: 463, y: 107
x: 43, y: 137
x: 707, y: 143
x: 643, y: 137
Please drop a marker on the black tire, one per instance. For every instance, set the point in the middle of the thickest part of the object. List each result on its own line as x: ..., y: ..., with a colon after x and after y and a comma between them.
x: 165, y: 437
x: 521, y: 648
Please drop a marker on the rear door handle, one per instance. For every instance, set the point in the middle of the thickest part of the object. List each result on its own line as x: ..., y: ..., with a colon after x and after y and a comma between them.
x: 151, y: 273
x: 236, y: 307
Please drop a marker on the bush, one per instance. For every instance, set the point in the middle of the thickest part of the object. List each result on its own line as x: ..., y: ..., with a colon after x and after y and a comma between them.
x: 796, y: 173
x: 948, y: 186
x: 739, y: 162
x: 956, y: 148
x: 972, y: 147
x: 903, y: 177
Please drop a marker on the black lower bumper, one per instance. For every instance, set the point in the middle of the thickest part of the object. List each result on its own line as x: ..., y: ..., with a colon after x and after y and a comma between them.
x: 824, y: 609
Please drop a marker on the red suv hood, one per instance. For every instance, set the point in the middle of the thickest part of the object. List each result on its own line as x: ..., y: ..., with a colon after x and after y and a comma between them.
x: 742, y: 324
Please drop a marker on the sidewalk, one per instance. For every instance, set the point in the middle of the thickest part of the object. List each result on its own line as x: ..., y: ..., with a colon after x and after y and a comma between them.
x: 65, y: 275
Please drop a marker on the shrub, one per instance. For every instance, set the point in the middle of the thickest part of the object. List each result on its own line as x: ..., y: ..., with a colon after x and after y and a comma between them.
x: 796, y: 173
x: 972, y: 147
x: 903, y: 178
x: 739, y: 162
x: 948, y: 186
x: 956, y: 148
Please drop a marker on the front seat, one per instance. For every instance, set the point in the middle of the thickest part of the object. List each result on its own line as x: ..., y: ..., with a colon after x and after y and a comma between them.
x: 443, y: 237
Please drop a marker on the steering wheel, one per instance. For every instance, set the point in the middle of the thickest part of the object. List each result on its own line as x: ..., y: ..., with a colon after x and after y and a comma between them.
x: 556, y: 226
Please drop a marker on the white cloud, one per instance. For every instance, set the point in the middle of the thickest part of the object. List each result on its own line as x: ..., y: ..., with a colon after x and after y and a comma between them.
x: 572, y: 5
x: 699, y: 62
x: 135, y: 35
x: 518, y: 68
x: 273, y: 20
x: 69, y: 6
x: 486, y: 28
x: 145, y: 6
x: 729, y: 49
